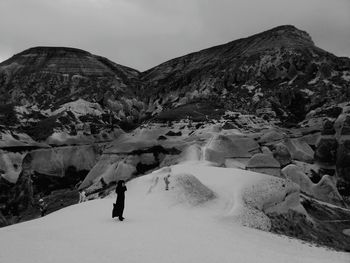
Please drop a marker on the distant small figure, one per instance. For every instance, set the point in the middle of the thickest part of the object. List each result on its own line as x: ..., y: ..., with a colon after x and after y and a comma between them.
x: 118, y: 207
x: 167, y: 182
x: 103, y: 182
x: 82, y: 196
x: 42, y: 207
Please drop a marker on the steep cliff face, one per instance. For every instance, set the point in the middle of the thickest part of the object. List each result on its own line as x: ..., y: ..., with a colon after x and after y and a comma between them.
x: 278, y: 72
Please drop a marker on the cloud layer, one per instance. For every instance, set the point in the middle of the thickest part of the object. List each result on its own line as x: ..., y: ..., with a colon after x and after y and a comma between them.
x: 144, y: 33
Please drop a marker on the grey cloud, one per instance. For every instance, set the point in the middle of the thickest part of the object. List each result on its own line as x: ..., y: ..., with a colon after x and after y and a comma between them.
x: 144, y: 33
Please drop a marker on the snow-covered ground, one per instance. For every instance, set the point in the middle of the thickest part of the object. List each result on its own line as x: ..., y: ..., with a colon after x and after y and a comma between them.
x: 193, y: 221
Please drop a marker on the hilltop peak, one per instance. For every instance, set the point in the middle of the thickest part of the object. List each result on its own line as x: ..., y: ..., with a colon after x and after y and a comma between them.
x: 53, y: 50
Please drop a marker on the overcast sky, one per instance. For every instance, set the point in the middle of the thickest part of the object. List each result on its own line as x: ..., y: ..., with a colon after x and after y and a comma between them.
x: 144, y: 33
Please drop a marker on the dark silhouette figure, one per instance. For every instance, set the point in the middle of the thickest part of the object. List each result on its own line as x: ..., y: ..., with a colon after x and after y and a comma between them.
x: 119, y: 204
x: 42, y: 207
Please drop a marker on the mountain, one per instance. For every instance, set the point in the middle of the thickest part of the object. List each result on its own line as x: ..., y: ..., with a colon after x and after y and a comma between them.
x: 58, y: 89
x: 277, y: 73
x: 51, y: 76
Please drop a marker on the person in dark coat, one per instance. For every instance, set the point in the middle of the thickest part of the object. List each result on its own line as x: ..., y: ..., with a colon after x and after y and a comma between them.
x: 42, y: 207
x: 119, y: 205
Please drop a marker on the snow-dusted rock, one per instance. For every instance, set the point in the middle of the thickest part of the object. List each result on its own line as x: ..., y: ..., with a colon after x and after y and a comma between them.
x: 11, y: 165
x: 324, y: 190
x: 282, y: 154
x: 299, y: 150
x: 264, y: 163
x: 228, y: 147
x: 272, y: 136
x: 55, y: 161
x: 213, y: 156
x: 10, y: 139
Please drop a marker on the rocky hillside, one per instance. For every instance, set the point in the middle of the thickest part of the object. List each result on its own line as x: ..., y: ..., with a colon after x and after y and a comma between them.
x: 42, y: 79
x: 279, y: 72
x: 51, y: 76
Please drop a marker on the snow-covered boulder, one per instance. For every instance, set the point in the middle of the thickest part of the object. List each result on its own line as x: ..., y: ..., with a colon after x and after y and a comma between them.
x: 10, y: 165
x: 213, y: 156
x: 272, y: 136
x: 267, y: 196
x: 299, y: 150
x: 324, y: 190
x: 282, y: 154
x: 264, y: 163
x: 248, y: 197
x: 184, y: 189
x: 105, y: 166
x: 228, y: 147
x: 191, y: 153
x: 55, y: 161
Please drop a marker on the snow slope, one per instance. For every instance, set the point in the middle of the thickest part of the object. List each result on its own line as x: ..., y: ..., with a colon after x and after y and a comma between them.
x: 191, y: 222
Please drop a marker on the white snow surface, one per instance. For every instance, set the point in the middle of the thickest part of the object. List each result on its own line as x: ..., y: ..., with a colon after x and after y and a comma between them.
x: 178, y: 225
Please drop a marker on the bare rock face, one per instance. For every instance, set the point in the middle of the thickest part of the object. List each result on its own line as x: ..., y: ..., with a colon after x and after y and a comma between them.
x: 326, y: 151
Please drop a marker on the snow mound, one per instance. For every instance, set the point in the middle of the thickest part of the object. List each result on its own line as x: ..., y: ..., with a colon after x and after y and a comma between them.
x: 156, y: 232
x: 191, y: 153
x: 242, y: 197
x: 180, y: 189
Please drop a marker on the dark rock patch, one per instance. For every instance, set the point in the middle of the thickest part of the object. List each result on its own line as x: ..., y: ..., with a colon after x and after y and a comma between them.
x: 327, y: 229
